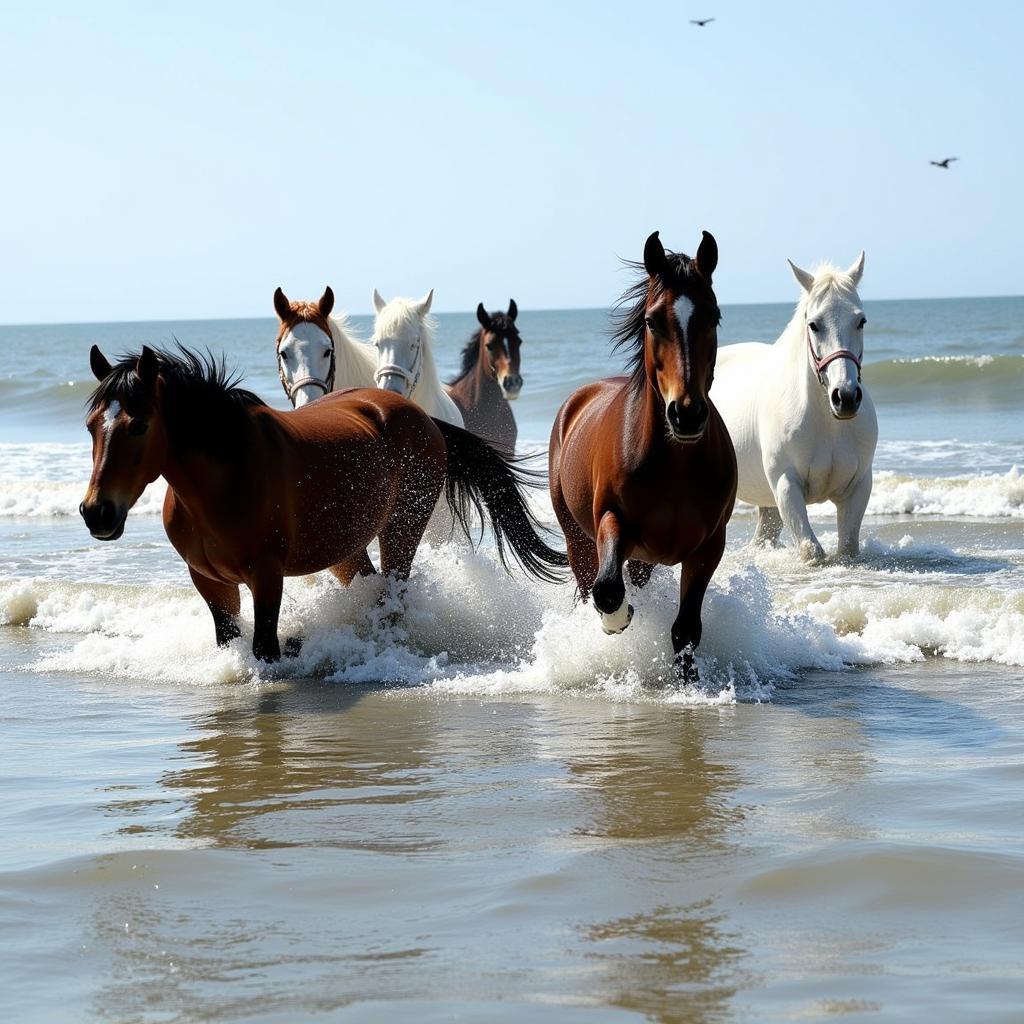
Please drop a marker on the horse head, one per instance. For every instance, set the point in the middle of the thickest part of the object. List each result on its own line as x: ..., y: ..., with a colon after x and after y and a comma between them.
x: 305, y: 347
x: 129, y: 440
x: 499, y: 348
x: 401, y: 333
x: 680, y: 333
x: 834, y: 326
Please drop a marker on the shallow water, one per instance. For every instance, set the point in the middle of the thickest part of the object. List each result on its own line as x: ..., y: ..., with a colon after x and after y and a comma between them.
x: 491, y: 811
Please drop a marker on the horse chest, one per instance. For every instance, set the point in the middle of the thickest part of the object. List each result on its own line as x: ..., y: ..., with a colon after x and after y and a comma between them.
x: 833, y: 469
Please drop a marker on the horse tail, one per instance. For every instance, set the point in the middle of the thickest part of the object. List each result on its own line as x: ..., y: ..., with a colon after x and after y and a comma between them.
x: 480, y: 477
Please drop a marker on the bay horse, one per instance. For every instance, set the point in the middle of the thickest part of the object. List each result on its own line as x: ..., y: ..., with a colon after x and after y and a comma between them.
x: 489, y: 378
x: 642, y: 470
x: 317, y: 350
x: 255, y: 494
x: 800, y: 415
x: 403, y: 335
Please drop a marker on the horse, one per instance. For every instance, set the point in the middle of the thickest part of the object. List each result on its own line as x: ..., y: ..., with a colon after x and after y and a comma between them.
x: 254, y: 494
x: 317, y: 352
x: 801, y: 419
x: 642, y: 470
x: 489, y: 379
x: 403, y: 335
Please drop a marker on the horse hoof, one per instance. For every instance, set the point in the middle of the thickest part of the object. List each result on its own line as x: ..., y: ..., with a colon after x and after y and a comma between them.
x: 293, y: 646
x: 812, y: 554
x: 617, y: 621
x: 686, y: 667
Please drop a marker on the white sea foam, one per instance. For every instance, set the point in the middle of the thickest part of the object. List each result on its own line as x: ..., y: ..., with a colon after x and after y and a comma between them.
x: 465, y: 629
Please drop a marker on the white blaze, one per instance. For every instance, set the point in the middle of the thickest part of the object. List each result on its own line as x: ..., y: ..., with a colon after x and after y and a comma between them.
x: 110, y: 415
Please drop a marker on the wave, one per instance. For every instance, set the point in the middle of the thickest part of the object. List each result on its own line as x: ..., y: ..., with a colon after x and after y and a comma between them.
x: 467, y: 629
x: 991, y: 379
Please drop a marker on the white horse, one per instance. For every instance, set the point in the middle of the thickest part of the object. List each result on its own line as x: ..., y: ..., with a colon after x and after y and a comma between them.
x: 318, y: 352
x: 802, y: 422
x: 403, y: 335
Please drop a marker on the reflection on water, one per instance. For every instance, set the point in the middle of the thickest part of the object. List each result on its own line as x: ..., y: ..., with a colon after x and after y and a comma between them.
x: 275, y: 854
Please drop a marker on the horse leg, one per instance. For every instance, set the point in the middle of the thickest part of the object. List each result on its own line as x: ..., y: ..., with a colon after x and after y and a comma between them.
x: 355, y: 565
x: 267, y: 589
x: 224, y: 603
x: 578, y: 546
x: 696, y: 574
x: 609, y: 588
x: 769, y: 527
x: 793, y: 509
x: 850, y: 515
x: 639, y: 573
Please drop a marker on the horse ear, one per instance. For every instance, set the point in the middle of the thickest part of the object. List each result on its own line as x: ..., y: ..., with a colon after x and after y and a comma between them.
x: 483, y: 316
x: 326, y: 303
x: 513, y: 310
x: 707, y: 255
x: 98, y: 363
x: 804, y: 278
x: 654, y: 255
x: 857, y: 270
x: 378, y: 301
x: 282, y: 306
x: 423, y: 308
x: 146, y: 367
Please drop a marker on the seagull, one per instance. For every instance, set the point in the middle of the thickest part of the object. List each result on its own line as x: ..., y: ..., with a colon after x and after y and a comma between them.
x: 701, y: 24
x: 944, y: 164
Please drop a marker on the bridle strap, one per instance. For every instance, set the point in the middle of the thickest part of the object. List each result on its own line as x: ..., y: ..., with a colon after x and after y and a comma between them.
x: 820, y: 364
x: 410, y: 375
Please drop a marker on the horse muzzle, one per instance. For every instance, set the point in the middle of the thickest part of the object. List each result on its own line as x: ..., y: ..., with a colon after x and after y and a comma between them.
x: 511, y: 385
x: 104, y: 519
x: 686, y: 424
x: 844, y: 401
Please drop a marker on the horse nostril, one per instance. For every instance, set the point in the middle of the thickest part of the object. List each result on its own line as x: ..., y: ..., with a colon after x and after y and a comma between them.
x: 836, y: 397
x: 857, y: 396
x: 81, y: 509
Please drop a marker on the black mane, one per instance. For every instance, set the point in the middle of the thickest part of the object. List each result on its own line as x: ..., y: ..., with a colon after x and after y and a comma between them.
x: 203, y: 403
x: 680, y: 277
x: 501, y: 323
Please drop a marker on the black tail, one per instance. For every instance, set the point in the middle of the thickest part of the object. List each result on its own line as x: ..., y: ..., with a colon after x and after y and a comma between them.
x: 479, y: 477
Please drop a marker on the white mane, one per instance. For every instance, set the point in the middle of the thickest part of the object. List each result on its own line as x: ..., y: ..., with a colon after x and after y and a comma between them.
x: 355, y: 361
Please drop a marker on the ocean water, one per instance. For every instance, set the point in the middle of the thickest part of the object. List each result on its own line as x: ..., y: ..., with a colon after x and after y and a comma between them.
x: 488, y: 810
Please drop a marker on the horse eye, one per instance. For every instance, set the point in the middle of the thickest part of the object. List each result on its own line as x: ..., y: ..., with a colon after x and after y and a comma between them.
x: 327, y: 353
x: 863, y: 321
x: 137, y: 427
x: 813, y: 326
x: 284, y: 356
x: 650, y: 322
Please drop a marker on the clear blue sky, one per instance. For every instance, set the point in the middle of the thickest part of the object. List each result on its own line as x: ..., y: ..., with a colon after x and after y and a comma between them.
x: 181, y: 160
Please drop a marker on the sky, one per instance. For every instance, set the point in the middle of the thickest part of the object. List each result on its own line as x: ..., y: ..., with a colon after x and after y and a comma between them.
x: 182, y: 160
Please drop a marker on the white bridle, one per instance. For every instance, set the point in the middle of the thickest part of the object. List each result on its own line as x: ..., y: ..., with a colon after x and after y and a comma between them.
x: 410, y: 375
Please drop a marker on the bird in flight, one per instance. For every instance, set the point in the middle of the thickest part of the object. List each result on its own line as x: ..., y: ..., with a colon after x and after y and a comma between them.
x: 944, y: 164
x: 701, y: 23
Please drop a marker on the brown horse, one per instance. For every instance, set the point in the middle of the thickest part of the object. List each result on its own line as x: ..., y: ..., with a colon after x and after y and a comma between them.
x: 255, y: 495
x: 490, y: 378
x: 642, y: 467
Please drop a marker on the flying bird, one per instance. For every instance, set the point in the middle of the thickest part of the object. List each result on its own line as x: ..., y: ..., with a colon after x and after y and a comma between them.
x: 701, y: 23
x: 944, y: 164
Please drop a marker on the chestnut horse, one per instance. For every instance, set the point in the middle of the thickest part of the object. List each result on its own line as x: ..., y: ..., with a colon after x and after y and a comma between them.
x: 641, y: 467
x: 490, y: 378
x: 255, y: 495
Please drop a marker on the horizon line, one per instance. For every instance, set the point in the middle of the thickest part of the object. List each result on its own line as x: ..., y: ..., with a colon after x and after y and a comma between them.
x: 466, y: 312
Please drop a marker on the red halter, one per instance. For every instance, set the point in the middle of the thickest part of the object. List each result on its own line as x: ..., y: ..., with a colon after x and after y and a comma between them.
x: 820, y: 364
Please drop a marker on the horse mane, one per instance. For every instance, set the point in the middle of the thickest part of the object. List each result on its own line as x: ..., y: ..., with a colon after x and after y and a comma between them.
x: 204, y: 407
x: 471, y: 352
x: 355, y: 361
x: 629, y: 314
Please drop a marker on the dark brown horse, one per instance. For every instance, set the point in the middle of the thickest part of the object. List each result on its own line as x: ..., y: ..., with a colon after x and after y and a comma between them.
x: 642, y: 467
x: 255, y: 495
x: 490, y: 378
